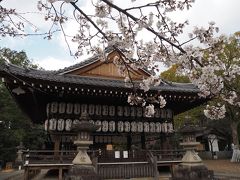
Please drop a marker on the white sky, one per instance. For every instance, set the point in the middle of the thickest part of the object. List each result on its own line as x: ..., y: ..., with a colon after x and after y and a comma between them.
x: 54, y: 54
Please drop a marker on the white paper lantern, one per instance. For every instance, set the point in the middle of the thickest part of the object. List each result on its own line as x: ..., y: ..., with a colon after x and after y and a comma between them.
x: 69, y: 109
x: 152, y: 127
x: 133, y: 126
x: 120, y: 126
x: 170, y: 127
x: 127, y: 111
x: 111, y: 110
x: 46, y: 125
x: 105, y: 110
x: 61, y: 107
x: 120, y: 111
x: 60, y: 125
x: 133, y: 111
x: 52, y: 124
x: 91, y: 109
x: 98, y: 109
x: 112, y: 126
x: 157, y: 113
x: 84, y: 108
x: 104, y: 126
x: 158, y: 127
x: 54, y: 107
x: 68, y: 125
x: 146, y: 127
x: 99, y: 123
x: 127, y: 126
x: 139, y: 112
x: 77, y: 109
x: 47, y: 109
x: 140, y: 127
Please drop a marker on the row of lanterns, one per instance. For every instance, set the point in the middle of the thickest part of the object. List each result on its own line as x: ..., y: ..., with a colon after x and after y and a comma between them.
x: 103, y: 110
x: 112, y: 126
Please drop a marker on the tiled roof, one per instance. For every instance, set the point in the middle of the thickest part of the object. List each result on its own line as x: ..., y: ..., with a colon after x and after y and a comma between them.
x: 51, y: 76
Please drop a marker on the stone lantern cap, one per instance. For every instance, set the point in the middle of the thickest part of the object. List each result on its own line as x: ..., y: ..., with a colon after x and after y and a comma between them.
x: 190, y: 128
x: 20, y: 146
x: 84, y: 125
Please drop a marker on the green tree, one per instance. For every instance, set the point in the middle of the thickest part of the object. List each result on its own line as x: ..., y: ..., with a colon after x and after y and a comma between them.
x: 15, y: 126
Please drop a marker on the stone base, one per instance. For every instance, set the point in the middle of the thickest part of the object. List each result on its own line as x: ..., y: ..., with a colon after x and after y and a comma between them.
x: 82, y: 172
x: 192, y: 172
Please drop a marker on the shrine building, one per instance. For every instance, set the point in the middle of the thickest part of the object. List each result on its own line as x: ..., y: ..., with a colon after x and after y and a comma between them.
x: 56, y: 99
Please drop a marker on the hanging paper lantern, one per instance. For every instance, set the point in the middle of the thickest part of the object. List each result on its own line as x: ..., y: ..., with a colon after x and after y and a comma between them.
x: 152, y: 127
x: 69, y: 108
x: 111, y: 126
x: 133, y: 126
x: 91, y: 109
x: 61, y: 107
x: 46, y: 125
x: 120, y: 126
x: 157, y: 113
x: 68, y: 125
x: 98, y: 109
x: 99, y: 123
x: 52, y: 124
x: 48, y: 109
x: 170, y: 127
x: 54, y: 107
x: 77, y: 109
x: 104, y: 126
x: 127, y: 126
x: 60, y: 125
x: 140, y: 127
x: 127, y: 111
x: 104, y: 110
x: 133, y: 111
x: 158, y: 127
x: 146, y: 127
x: 111, y: 111
x: 120, y: 111
x: 139, y: 112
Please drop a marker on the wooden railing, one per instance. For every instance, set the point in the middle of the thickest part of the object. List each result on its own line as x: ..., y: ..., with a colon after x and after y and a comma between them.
x: 50, y: 156
x: 110, y: 164
x: 125, y: 170
x: 168, y: 155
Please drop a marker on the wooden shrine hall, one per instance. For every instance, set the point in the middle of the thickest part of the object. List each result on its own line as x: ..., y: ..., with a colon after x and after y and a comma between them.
x: 126, y: 141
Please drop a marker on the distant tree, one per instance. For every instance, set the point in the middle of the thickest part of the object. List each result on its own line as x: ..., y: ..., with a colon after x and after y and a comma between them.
x: 172, y: 75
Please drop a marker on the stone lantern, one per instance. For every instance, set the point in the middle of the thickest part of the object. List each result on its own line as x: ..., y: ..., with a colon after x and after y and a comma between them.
x: 19, y: 159
x: 189, y: 143
x: 191, y: 166
x: 82, y: 165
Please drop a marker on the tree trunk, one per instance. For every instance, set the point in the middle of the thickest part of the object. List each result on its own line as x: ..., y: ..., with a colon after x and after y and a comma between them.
x: 234, y: 126
x: 235, y: 155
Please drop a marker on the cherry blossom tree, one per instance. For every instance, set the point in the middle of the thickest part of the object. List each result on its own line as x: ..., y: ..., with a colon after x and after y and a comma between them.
x: 202, y: 57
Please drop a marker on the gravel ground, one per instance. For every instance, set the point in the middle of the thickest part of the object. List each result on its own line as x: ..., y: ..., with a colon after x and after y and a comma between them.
x: 223, y: 166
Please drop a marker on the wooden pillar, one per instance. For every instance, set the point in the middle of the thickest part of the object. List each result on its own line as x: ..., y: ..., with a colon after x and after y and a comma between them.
x: 56, y: 140
x: 60, y: 174
x: 129, y: 141
x: 143, y: 140
x: 26, y: 173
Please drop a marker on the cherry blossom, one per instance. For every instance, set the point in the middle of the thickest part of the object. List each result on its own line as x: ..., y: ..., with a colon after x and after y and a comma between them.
x: 203, y: 57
